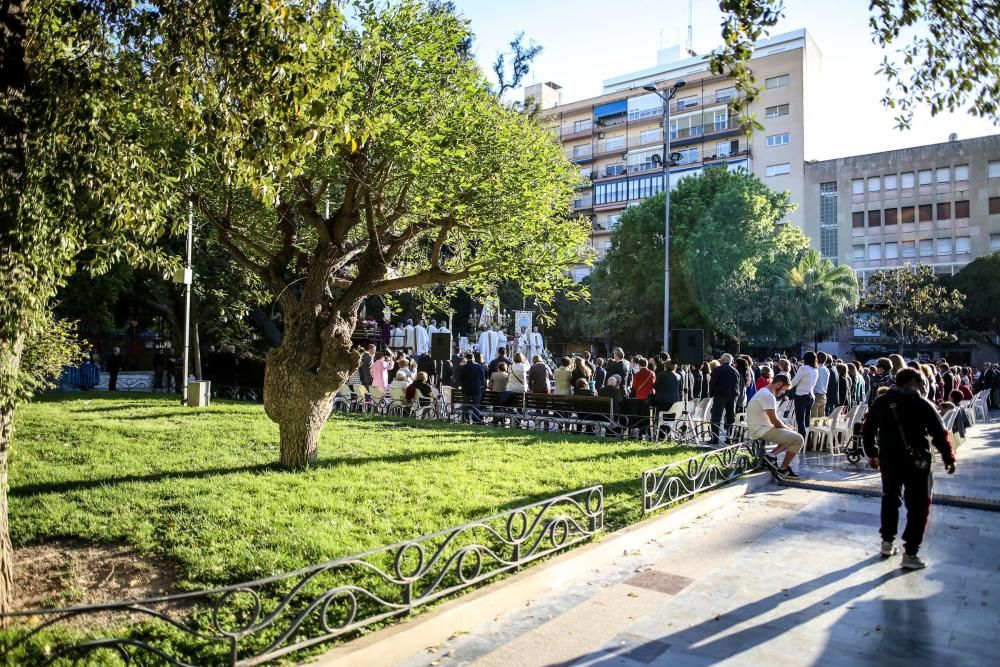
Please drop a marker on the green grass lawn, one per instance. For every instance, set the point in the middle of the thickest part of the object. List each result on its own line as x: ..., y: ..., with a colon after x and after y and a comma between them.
x: 200, y: 487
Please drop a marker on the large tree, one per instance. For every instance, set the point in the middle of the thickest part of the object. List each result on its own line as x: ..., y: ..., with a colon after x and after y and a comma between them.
x: 430, y: 180
x: 979, y: 281
x: 909, y: 306
x: 949, y: 58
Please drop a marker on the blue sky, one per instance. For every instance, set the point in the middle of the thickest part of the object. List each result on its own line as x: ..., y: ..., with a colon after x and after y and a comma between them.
x: 587, y: 41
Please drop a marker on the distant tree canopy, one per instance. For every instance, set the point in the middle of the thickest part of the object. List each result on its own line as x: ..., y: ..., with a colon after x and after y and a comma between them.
x: 947, y: 52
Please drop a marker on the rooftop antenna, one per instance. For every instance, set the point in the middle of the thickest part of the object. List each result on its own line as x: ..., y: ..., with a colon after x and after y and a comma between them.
x: 690, y: 39
x: 661, y: 38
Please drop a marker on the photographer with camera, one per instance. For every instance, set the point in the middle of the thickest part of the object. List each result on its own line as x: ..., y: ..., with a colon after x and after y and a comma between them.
x: 903, y: 419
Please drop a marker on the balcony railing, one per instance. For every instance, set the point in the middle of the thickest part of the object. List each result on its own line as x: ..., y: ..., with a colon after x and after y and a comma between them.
x: 583, y: 202
x: 647, y: 140
x: 720, y: 125
x: 685, y: 105
x: 612, y: 145
x: 580, y: 152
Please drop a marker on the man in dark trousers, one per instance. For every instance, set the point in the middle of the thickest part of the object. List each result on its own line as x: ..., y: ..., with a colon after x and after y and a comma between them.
x: 902, y: 420
x: 365, y: 368
x: 833, y: 397
x: 723, y: 388
x: 472, y: 377
x: 114, y: 365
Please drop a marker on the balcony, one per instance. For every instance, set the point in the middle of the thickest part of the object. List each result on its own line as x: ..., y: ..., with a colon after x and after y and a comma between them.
x: 580, y: 203
x: 571, y: 131
x: 649, y: 140
x: 705, y: 130
x: 689, y: 104
x: 580, y: 153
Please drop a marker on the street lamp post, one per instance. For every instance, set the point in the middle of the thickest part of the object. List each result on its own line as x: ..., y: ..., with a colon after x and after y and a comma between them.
x: 667, y: 161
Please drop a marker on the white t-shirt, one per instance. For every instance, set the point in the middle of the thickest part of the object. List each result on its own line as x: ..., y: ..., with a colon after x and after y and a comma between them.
x: 758, y: 422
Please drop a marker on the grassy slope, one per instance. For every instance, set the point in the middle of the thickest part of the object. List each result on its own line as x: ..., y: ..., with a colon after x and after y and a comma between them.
x: 200, y: 486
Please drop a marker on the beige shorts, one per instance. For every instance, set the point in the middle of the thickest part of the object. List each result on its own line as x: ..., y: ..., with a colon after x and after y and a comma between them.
x: 782, y: 436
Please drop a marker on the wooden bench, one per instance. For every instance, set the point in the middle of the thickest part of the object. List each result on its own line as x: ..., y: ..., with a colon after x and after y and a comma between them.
x: 541, y: 410
x: 495, y: 404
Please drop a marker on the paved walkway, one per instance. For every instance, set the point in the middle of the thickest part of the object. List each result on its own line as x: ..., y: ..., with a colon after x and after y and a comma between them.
x: 786, y: 576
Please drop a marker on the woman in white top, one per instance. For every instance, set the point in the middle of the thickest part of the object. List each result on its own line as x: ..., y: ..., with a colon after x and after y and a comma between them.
x: 517, y: 377
x: 803, y: 384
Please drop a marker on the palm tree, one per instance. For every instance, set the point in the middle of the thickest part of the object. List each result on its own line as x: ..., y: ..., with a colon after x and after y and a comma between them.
x: 819, y: 294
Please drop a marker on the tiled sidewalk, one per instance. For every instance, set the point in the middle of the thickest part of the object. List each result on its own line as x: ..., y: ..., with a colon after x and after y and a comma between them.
x: 785, y: 577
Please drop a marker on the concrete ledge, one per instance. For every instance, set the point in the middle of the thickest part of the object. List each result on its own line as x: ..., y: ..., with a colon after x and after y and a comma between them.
x: 405, y: 638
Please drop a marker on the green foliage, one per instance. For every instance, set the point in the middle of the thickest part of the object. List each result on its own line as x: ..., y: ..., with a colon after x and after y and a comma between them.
x: 952, y: 59
x: 818, y: 294
x: 50, y: 346
x: 979, y: 282
x: 909, y: 305
x: 724, y: 246
x: 436, y: 184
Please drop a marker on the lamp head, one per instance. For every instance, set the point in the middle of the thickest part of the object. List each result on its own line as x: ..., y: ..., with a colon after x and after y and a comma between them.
x: 650, y: 87
x: 679, y: 84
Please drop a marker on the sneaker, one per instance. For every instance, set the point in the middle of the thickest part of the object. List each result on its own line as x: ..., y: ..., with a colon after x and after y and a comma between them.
x: 771, y: 460
x: 913, y: 562
x: 788, y: 473
x: 889, y: 549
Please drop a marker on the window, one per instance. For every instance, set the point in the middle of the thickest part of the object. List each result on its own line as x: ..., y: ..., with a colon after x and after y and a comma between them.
x: 943, y: 247
x: 926, y: 247
x: 614, y: 143
x: 779, y: 139
x: 688, y: 155
x: 994, y: 205
x: 962, y: 208
x: 649, y: 136
x: 961, y: 172
x: 858, y: 186
x: 776, y: 81
x: 892, y: 250
x: 874, y: 184
x: 875, y: 218
x: 828, y: 220
x: 583, y: 150
x: 614, y: 170
x: 613, y: 220
x: 858, y: 219
x: 890, y: 216
x: 609, y: 193
x: 585, y: 173
x: 859, y: 253
x: 779, y: 169
x: 994, y: 242
x: 963, y: 245
x: 581, y: 125
x: 775, y: 111
x: 874, y: 251
x: 925, y: 212
x: 994, y: 169
x: 906, y: 213
x: 944, y: 175
x: 725, y: 148
x: 924, y: 176
x: 890, y: 181
x: 944, y: 210
x: 721, y: 118
x: 909, y: 249
x: 647, y: 186
x: 906, y: 180
x: 725, y: 94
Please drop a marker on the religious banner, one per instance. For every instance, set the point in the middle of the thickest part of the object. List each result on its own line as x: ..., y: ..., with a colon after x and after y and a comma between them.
x: 522, y: 321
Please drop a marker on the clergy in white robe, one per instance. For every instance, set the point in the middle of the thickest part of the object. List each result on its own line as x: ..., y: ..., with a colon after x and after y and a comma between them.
x: 422, y: 341
x: 409, y: 337
x: 396, y: 339
x: 432, y: 328
x: 486, y: 345
x: 522, y: 343
x: 536, y: 343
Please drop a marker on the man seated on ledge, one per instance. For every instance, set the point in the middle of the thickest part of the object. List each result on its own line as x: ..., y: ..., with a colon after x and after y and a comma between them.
x: 763, y: 424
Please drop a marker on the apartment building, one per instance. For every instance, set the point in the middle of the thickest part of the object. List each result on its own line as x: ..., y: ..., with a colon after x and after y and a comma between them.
x: 937, y: 205
x: 617, y: 137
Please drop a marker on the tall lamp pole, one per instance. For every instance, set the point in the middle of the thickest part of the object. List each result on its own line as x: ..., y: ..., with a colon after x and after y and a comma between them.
x: 667, y: 162
x: 188, y: 274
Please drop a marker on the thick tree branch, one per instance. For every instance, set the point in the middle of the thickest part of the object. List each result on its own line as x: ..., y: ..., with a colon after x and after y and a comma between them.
x: 427, y: 277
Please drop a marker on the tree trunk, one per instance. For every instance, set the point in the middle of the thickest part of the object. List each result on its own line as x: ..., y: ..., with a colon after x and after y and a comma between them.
x: 302, y: 377
x: 10, y: 362
x: 196, y: 351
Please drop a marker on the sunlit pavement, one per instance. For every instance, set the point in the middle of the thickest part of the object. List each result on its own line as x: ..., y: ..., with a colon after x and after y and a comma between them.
x: 785, y: 576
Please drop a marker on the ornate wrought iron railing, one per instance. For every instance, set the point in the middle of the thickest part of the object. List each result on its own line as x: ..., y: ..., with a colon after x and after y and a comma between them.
x: 255, y: 622
x: 667, y: 484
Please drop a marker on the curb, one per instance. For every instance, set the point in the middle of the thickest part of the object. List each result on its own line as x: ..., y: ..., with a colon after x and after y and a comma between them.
x: 408, y: 637
x: 965, y: 502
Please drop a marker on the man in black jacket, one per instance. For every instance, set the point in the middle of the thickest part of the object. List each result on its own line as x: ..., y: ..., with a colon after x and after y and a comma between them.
x: 114, y: 365
x: 833, y: 396
x: 472, y: 377
x: 903, y: 419
x: 723, y: 389
x: 618, y: 366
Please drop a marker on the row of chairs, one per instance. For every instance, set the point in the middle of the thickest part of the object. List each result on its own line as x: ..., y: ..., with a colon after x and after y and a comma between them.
x: 356, y: 398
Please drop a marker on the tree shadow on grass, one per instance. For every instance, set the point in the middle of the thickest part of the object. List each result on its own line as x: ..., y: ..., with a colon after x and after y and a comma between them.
x: 27, y: 490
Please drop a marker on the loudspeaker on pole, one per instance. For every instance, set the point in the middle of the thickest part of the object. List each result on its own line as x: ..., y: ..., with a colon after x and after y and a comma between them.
x: 441, y: 346
x: 687, y: 346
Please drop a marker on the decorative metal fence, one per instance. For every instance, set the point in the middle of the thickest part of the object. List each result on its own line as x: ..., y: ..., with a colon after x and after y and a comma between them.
x: 675, y: 481
x: 255, y: 622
